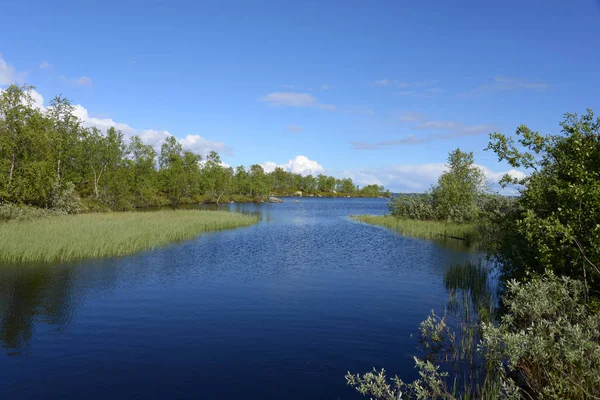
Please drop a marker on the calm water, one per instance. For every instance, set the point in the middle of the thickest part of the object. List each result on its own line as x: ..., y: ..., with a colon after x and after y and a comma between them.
x: 278, y: 310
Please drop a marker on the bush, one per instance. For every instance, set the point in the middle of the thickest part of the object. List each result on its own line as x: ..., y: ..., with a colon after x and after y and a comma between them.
x: 548, y: 343
x: 546, y: 346
x: 13, y: 212
x: 418, y: 206
x: 65, y: 199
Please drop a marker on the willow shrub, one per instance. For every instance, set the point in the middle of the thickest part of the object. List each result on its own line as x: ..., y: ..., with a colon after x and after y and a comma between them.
x: 546, y: 346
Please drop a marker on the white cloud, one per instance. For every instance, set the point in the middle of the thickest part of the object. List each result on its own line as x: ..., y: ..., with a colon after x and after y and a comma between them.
x: 269, y: 166
x: 155, y: 138
x: 416, y: 178
x: 295, y: 129
x: 45, y: 65
x: 199, y: 145
x: 294, y: 99
x: 326, y: 86
x: 38, y: 99
x: 450, y: 130
x: 382, y: 82
x: 494, y: 177
x: 80, y: 81
x: 8, y: 73
x: 505, y: 83
x: 403, y: 85
x: 289, y: 99
x: 299, y: 165
x: 410, y: 116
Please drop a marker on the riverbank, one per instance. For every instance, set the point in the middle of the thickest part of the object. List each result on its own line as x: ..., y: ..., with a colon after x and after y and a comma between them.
x: 86, y: 236
x: 466, y: 232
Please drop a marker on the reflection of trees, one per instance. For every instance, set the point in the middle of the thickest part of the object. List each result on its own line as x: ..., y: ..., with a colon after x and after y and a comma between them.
x: 29, y: 295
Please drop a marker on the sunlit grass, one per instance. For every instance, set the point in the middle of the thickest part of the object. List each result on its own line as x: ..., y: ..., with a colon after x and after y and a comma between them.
x: 423, y: 229
x: 85, y: 236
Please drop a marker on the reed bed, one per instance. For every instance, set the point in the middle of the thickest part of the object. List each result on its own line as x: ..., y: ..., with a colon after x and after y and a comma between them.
x: 86, y: 236
x: 423, y: 229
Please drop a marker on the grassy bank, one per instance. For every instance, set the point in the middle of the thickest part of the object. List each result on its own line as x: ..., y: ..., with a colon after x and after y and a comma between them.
x: 72, y: 237
x: 423, y: 229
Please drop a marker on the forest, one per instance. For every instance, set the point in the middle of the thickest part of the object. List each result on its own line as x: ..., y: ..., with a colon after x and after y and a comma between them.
x: 50, y: 160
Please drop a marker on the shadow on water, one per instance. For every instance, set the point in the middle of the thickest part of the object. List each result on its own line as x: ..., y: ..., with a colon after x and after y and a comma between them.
x: 29, y: 296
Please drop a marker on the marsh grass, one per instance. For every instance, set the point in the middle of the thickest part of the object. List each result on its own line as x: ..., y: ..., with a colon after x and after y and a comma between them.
x: 466, y: 232
x: 85, y: 236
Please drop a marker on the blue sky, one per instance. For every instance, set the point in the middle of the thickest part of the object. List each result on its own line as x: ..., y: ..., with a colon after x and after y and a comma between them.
x: 379, y: 91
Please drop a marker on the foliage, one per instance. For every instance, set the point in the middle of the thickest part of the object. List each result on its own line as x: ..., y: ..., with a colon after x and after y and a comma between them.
x: 548, y: 342
x: 44, y: 151
x: 64, y: 198
x: 424, y: 229
x: 546, y: 346
x: 13, y: 212
x: 456, y: 197
x: 71, y: 237
x: 417, y: 206
x: 555, y: 223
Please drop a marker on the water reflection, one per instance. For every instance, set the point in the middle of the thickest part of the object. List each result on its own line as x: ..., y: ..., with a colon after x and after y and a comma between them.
x: 299, y: 299
x: 32, y: 295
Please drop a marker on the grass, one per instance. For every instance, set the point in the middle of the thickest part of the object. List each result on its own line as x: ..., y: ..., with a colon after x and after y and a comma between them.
x: 423, y: 229
x: 85, y: 236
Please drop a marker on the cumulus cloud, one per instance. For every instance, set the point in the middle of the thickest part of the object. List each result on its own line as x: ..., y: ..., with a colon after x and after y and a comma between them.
x: 295, y: 129
x: 8, y: 73
x: 37, y: 99
x: 326, y: 86
x: 198, y: 144
x: 299, y: 165
x: 416, y: 178
x: 45, y: 65
x: 155, y: 138
x: 294, y: 99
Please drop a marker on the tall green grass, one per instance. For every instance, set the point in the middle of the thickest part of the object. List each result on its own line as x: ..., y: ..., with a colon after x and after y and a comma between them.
x: 423, y: 229
x: 84, y: 236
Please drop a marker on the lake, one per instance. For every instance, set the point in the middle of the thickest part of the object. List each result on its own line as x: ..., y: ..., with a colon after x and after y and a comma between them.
x: 282, y: 309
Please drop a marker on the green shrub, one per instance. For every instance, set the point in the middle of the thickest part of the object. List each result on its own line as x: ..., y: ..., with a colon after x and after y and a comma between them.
x: 13, y: 212
x: 64, y: 198
x: 546, y: 346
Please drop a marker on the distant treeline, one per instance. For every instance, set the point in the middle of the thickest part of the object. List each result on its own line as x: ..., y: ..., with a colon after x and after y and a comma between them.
x: 49, y: 159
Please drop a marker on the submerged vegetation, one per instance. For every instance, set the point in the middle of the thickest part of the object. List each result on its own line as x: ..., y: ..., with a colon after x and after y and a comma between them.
x: 543, y: 341
x: 73, y: 237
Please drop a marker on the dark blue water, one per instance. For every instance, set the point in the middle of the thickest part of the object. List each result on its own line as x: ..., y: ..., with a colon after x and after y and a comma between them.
x: 278, y: 310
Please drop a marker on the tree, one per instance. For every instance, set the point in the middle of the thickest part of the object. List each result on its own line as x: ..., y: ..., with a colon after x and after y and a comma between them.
x: 218, y: 178
x: 142, y: 162
x: 24, y: 148
x: 458, y: 190
x: 172, y: 170
x: 259, y: 182
x: 65, y: 137
x: 105, y: 154
x: 556, y: 221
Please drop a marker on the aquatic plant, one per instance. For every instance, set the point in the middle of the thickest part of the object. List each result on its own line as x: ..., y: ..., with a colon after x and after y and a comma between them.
x: 72, y: 237
x: 466, y: 232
